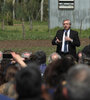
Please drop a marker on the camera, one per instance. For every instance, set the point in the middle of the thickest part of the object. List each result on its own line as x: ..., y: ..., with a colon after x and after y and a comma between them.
x: 7, y: 56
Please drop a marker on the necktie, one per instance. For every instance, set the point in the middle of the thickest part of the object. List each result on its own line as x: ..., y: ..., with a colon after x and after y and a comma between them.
x: 65, y: 44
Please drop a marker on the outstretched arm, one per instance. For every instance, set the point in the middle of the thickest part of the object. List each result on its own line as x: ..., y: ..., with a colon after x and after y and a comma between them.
x: 18, y: 59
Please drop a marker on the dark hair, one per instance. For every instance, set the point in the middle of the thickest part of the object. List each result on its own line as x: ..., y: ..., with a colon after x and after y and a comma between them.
x: 33, y: 59
x: 86, y: 50
x: 41, y: 57
x: 28, y: 82
x: 86, y: 55
x: 11, y: 72
x: 53, y: 73
x: 68, y: 61
x: 4, y: 66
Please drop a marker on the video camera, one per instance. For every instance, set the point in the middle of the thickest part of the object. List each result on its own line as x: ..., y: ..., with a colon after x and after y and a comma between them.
x: 7, y: 56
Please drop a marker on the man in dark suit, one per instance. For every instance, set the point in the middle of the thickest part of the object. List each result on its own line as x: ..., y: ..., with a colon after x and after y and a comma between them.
x: 66, y: 40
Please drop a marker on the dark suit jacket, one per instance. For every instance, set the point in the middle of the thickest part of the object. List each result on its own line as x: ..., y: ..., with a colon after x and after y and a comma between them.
x: 71, y: 45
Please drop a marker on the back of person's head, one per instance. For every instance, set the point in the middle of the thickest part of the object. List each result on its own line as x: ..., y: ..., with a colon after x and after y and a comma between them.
x: 78, y: 83
x: 33, y: 59
x: 10, y: 73
x: 86, y: 50
x: 41, y: 57
x: 53, y: 73
x: 54, y: 56
x: 68, y: 61
x: 5, y: 63
x: 28, y: 83
x: 86, y: 55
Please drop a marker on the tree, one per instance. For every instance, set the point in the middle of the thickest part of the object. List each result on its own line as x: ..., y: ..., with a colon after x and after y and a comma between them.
x: 18, y: 9
x: 13, y: 9
x: 42, y: 2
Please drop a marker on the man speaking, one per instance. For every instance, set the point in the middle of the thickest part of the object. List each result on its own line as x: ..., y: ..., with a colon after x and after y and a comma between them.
x: 66, y: 40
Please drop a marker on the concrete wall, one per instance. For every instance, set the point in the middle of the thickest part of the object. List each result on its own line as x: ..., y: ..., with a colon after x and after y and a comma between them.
x: 81, y: 13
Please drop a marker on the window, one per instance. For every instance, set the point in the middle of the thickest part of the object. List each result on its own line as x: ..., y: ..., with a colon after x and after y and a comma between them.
x: 66, y: 4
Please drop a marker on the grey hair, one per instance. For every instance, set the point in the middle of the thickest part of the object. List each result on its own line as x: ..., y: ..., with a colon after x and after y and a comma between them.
x: 78, y: 82
x: 50, y: 59
x: 67, y: 20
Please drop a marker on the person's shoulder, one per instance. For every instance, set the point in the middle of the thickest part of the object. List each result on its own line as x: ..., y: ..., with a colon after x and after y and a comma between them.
x: 2, y: 97
x: 60, y: 31
x: 73, y: 31
x: 2, y: 88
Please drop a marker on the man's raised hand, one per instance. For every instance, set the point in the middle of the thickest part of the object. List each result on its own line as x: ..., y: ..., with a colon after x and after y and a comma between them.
x: 57, y: 40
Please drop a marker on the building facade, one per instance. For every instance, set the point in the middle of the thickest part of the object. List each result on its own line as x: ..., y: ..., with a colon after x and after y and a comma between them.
x: 78, y: 11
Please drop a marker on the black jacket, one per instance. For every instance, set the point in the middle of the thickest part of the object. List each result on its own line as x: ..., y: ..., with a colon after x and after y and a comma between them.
x: 72, y: 45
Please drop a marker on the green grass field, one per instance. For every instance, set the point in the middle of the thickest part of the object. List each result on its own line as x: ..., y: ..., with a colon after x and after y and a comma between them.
x: 40, y: 31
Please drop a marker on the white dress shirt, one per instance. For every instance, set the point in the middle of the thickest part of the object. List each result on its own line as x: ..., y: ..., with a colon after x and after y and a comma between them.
x: 63, y: 41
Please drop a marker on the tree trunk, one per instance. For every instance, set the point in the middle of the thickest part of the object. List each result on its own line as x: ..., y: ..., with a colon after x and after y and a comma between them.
x: 81, y: 28
x: 30, y: 21
x: 42, y: 2
x: 37, y: 15
x: 13, y: 9
x: 4, y: 2
x: 23, y: 29
x: 3, y: 24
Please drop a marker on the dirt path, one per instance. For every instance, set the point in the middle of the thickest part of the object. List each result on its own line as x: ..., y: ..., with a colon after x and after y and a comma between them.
x: 32, y: 43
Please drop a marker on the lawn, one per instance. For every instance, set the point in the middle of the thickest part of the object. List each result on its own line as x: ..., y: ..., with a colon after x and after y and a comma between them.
x: 40, y: 31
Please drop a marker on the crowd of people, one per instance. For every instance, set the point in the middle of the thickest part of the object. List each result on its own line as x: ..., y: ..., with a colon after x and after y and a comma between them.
x: 29, y: 77
x: 64, y: 75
